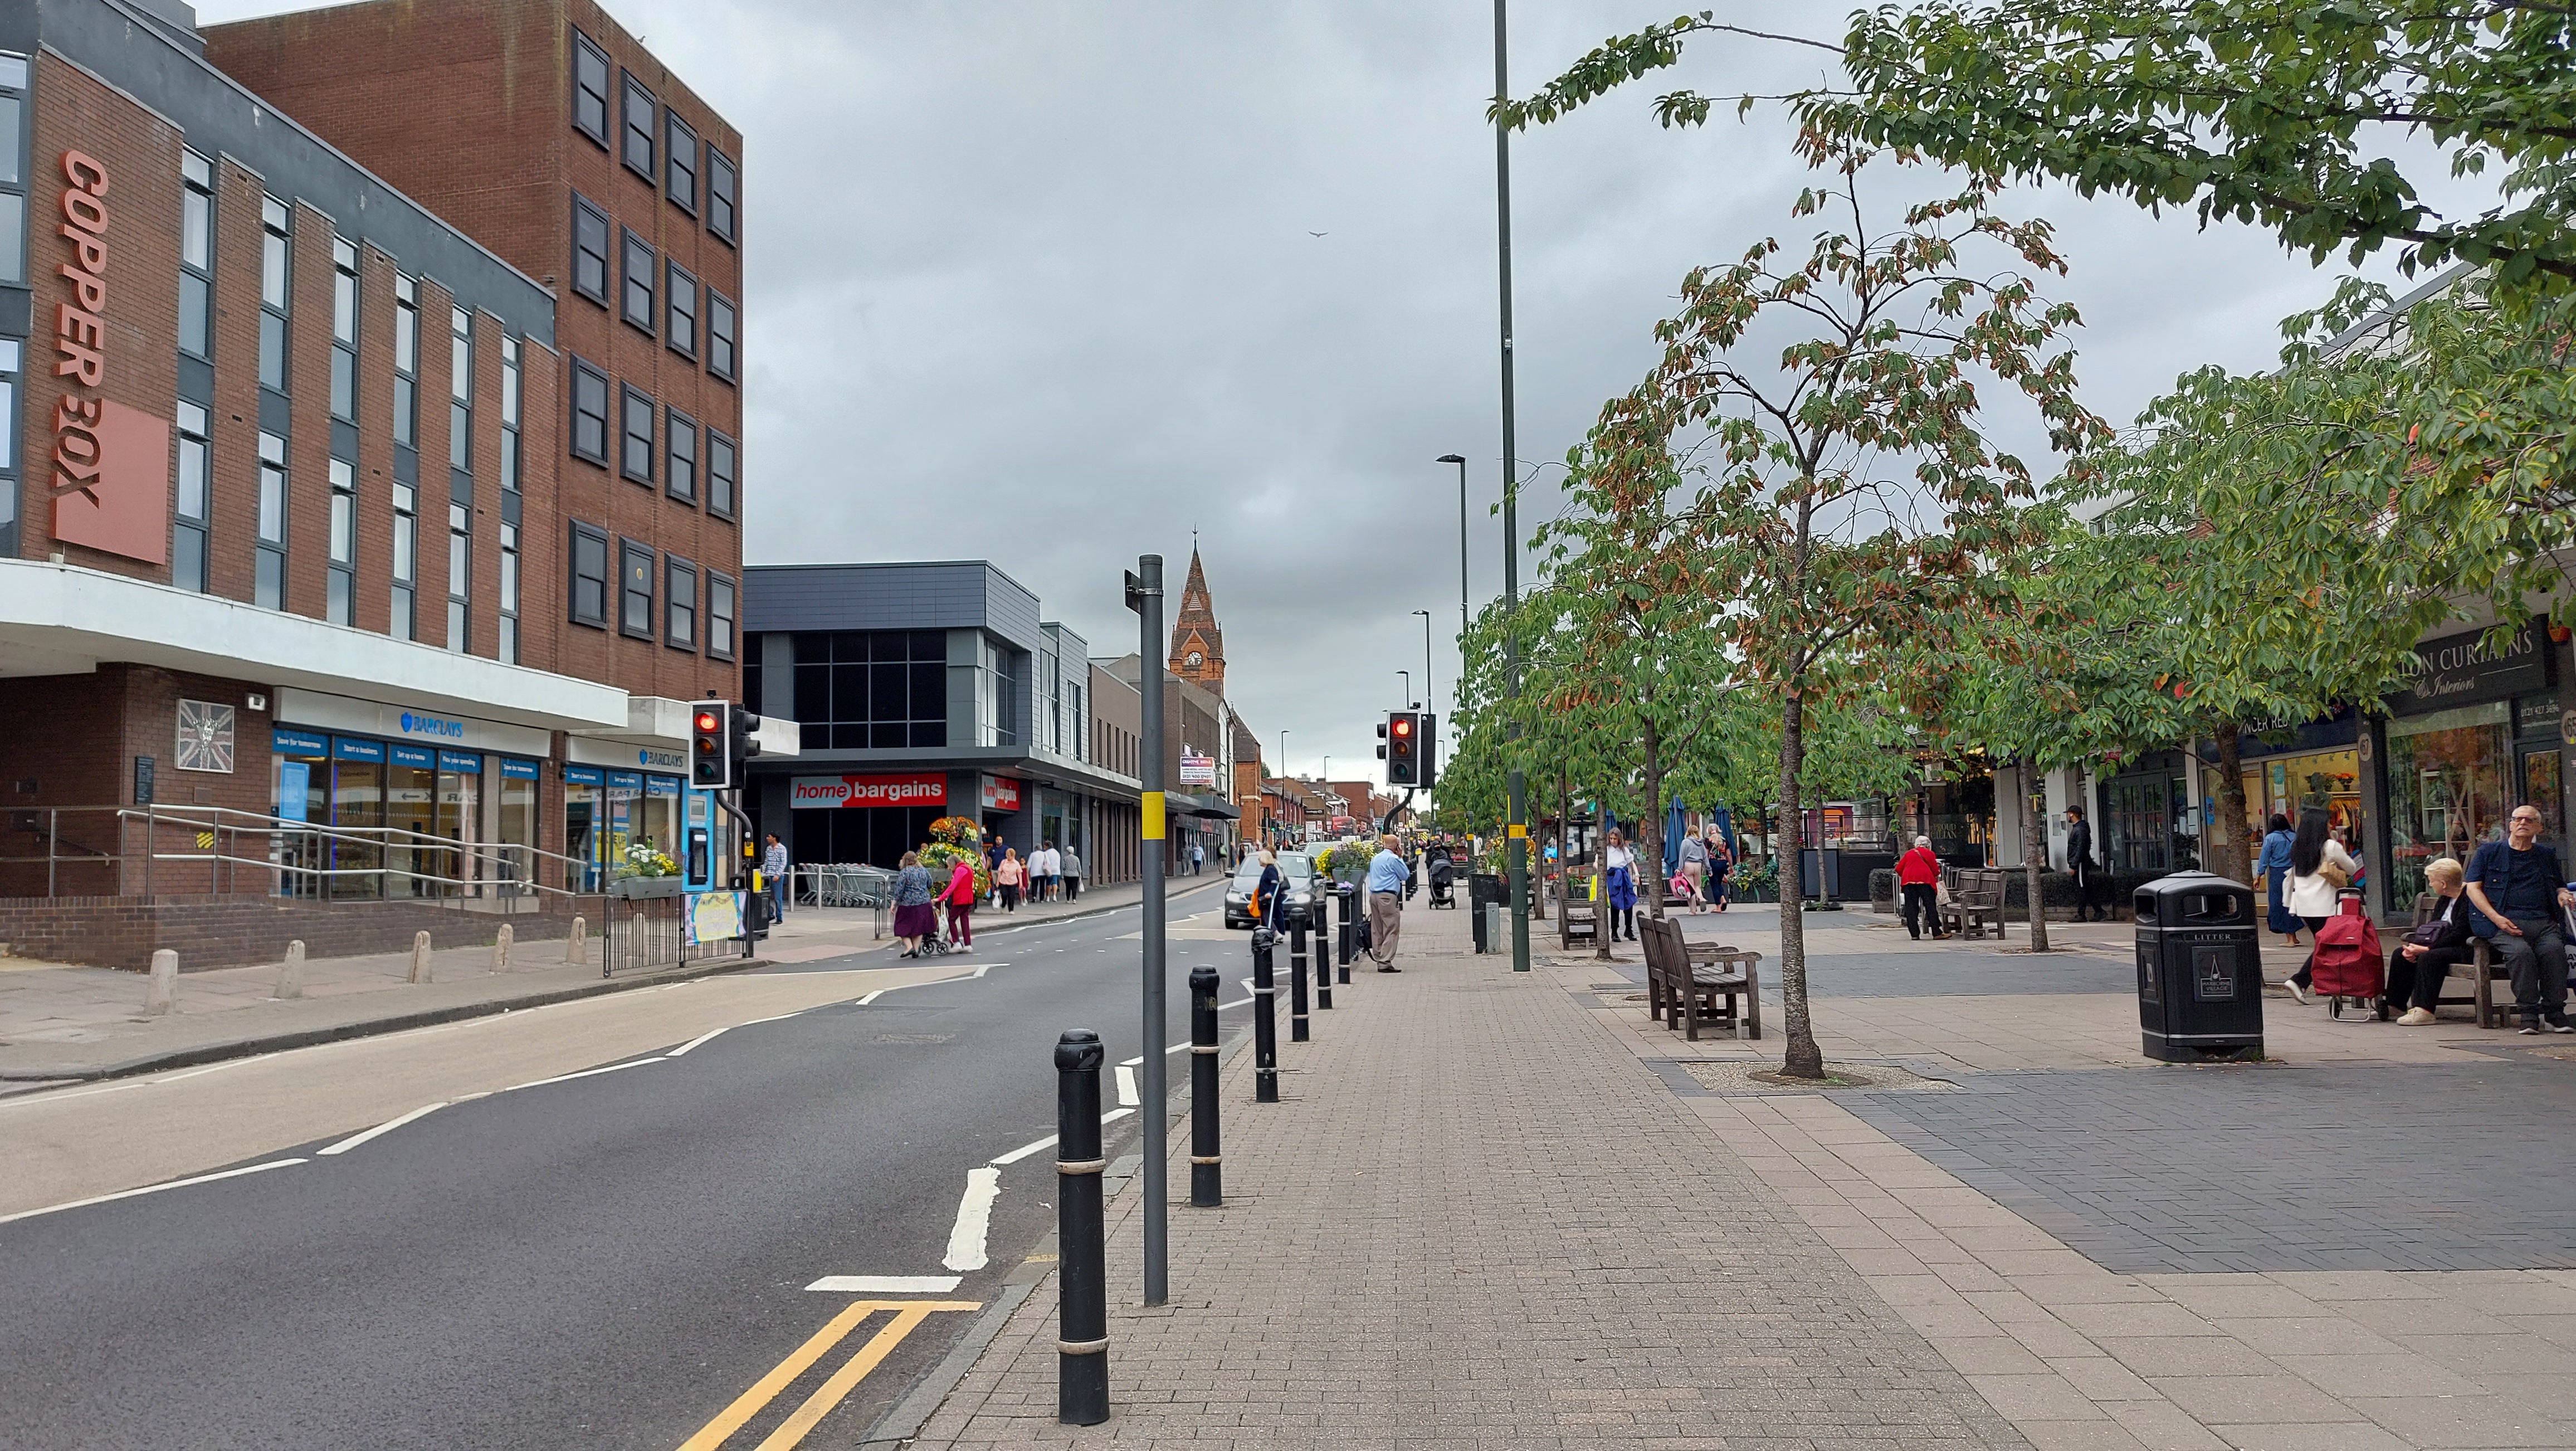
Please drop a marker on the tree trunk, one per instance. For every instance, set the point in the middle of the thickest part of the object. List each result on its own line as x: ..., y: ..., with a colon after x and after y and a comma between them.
x: 2230, y: 853
x: 1650, y: 823
x: 2034, y: 853
x: 1804, y: 1059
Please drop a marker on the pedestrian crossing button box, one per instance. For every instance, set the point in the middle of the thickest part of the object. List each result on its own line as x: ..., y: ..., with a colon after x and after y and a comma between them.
x: 2200, y: 970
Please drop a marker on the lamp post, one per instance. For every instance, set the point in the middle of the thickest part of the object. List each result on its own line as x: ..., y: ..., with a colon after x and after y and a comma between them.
x: 1516, y: 818
x: 1283, y: 768
x: 1461, y: 461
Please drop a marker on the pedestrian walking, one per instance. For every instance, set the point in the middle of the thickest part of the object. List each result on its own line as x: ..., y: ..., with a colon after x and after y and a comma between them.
x: 1621, y: 887
x: 1268, y: 893
x: 1007, y: 878
x: 1054, y: 871
x: 1721, y: 865
x: 2319, y: 869
x: 1386, y: 874
x: 2272, y: 873
x: 773, y: 870
x: 914, y: 917
x: 1918, y: 875
x: 2079, y: 862
x: 2521, y: 892
x: 1695, y: 871
x: 1198, y: 858
x: 1072, y: 875
x: 961, y: 905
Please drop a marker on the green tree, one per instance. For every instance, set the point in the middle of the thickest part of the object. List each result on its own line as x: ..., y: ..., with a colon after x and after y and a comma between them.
x: 1846, y: 496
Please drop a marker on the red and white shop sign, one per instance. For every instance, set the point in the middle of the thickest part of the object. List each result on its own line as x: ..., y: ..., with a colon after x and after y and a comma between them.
x: 111, y: 463
x: 923, y: 789
x: 1001, y: 793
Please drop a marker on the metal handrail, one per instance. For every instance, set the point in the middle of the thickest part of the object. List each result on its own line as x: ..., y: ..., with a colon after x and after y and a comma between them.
x: 516, y: 860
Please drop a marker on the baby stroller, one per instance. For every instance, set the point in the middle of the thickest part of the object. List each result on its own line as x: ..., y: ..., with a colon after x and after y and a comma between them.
x: 1441, y: 872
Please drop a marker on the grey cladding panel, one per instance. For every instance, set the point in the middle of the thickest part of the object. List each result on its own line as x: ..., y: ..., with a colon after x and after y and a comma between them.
x: 857, y: 597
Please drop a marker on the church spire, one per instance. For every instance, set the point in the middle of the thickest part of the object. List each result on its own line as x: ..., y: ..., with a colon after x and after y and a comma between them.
x: 1198, y: 644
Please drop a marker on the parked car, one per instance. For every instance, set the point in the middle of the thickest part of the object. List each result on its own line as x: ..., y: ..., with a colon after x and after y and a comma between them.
x: 1297, y: 869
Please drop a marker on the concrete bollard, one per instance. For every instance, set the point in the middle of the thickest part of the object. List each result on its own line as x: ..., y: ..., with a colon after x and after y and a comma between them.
x: 573, y: 953
x: 162, y: 996
x: 501, y: 948
x: 1082, y: 1330
x: 290, y: 978
x: 419, y: 956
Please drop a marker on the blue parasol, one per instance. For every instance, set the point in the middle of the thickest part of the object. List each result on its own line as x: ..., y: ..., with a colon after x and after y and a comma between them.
x: 1726, y: 833
x: 1676, y: 825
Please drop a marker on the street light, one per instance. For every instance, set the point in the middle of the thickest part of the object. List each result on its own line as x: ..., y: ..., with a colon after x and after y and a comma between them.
x: 1461, y: 461
x: 1516, y: 787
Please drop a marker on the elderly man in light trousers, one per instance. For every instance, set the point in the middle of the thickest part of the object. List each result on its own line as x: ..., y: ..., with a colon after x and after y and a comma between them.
x: 1386, y: 877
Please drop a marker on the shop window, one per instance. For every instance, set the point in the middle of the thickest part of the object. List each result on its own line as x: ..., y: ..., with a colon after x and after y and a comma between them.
x: 635, y: 590
x: 2451, y: 784
x: 589, y: 576
x: 589, y: 89
x: 872, y: 689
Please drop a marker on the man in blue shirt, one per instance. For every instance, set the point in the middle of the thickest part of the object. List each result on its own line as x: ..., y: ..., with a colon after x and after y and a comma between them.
x: 2519, y: 888
x: 1386, y: 876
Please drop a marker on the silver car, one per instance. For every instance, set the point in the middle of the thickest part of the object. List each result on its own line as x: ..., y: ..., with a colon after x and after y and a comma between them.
x: 1297, y: 869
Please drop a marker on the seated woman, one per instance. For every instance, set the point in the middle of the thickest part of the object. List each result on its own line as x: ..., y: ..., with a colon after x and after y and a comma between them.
x: 2417, y: 969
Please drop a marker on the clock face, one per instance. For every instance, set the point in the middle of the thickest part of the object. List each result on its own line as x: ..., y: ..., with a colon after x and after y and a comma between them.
x: 1194, y: 660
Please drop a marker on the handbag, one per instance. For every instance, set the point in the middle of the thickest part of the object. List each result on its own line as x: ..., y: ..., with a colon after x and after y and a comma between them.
x: 2335, y: 874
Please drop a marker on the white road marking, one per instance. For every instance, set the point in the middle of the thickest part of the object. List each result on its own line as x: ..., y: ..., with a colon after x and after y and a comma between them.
x: 1238, y: 1002
x: 1024, y: 1150
x: 871, y: 997
x: 887, y: 1284
x: 1115, y: 1114
x: 585, y: 1073
x: 388, y: 1126
x: 1127, y: 1086
x: 1132, y: 1062
x: 974, y: 1216
x: 727, y: 1028
x: 150, y: 1189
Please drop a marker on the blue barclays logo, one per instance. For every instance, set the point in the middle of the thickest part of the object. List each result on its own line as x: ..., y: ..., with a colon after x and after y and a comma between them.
x: 667, y: 760
x: 429, y: 725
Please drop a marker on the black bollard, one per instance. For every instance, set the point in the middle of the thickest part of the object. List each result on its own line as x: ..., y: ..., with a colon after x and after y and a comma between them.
x: 1265, y: 1018
x: 1082, y: 1345
x: 1323, y: 962
x: 1347, y: 895
x: 1207, y: 1166
x: 1297, y: 1030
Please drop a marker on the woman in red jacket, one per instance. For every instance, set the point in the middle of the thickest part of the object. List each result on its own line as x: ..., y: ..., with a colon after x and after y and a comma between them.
x: 1918, y: 873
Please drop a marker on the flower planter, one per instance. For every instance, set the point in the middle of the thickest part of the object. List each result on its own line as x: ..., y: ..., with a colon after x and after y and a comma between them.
x: 634, y: 888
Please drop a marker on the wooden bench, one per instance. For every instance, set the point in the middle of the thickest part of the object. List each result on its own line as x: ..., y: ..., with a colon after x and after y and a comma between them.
x: 1688, y: 984
x: 1976, y: 898
x: 2483, y: 970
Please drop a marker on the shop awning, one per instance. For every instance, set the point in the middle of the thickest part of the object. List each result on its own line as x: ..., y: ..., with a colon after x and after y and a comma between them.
x: 1181, y: 803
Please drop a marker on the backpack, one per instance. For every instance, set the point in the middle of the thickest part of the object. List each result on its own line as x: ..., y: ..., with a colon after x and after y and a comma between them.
x: 2349, y: 963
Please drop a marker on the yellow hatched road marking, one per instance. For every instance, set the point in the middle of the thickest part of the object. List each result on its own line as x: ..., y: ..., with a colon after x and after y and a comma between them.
x: 908, y: 1314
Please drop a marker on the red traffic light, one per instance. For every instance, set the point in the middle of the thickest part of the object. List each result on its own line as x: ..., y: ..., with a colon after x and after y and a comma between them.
x: 707, y: 720
x: 1403, y: 726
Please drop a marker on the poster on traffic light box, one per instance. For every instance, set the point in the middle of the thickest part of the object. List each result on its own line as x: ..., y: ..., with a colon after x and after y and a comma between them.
x: 714, y: 917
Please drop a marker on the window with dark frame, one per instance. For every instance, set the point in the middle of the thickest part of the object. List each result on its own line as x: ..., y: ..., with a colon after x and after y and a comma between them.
x: 680, y: 469
x: 405, y: 624
x: 722, y: 182
x: 680, y: 162
x: 276, y: 297
x: 344, y: 330
x: 638, y: 110
x: 268, y: 584
x: 872, y: 689
x: 680, y: 293
x: 341, y: 608
x: 589, y: 88
x: 589, y: 573
x: 406, y: 359
x: 721, y: 350
x: 638, y: 294
x: 509, y: 612
x: 460, y: 555
x: 635, y: 589
x: 721, y: 464
x: 589, y: 250
x: 635, y: 456
x: 188, y: 532
x: 509, y: 412
x: 679, y: 603
x: 196, y: 254
x: 720, y: 609
x: 589, y: 413
x: 460, y: 389
x: 14, y: 117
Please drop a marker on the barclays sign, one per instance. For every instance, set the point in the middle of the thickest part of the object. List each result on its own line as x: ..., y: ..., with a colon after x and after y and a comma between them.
x: 416, y: 724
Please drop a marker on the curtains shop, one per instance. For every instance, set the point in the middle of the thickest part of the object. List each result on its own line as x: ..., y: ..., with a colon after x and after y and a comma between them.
x: 404, y: 794
x: 2476, y: 734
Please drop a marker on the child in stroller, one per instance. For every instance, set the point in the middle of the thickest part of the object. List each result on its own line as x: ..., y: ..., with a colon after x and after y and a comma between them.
x: 1440, y: 872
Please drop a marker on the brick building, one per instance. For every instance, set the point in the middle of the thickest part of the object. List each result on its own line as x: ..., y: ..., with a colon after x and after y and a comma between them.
x: 375, y: 466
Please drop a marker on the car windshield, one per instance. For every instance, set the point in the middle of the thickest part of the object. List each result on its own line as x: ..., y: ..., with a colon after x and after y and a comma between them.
x: 1294, y: 868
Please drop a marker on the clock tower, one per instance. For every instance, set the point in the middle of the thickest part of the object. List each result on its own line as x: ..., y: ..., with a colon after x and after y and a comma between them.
x: 1198, y: 645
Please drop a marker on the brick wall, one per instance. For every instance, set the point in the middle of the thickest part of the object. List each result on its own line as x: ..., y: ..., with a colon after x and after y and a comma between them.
x: 229, y: 931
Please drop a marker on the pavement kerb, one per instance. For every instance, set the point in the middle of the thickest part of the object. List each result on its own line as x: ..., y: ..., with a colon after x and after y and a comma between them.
x: 203, y: 1053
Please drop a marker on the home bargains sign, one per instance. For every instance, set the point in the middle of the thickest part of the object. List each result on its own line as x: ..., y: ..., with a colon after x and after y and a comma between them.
x: 928, y: 788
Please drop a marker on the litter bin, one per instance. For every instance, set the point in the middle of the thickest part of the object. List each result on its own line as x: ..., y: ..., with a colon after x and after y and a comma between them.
x: 2200, y: 970
x: 1484, y: 888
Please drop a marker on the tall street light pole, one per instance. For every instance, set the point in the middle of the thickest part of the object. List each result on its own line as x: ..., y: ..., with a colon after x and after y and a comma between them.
x: 1145, y: 597
x: 1461, y: 461
x: 1516, y: 819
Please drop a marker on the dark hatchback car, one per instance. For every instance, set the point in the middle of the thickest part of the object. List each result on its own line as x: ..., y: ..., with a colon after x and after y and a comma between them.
x: 1299, y: 870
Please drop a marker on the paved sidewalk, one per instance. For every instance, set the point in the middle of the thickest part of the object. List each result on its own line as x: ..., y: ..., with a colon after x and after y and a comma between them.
x: 59, y: 1022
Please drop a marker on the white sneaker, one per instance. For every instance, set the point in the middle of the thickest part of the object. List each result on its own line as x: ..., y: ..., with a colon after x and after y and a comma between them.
x: 2296, y: 991
x: 2416, y: 1018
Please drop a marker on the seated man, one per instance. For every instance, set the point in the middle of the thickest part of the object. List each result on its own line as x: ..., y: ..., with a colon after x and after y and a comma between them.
x: 2518, y: 888
x: 2420, y: 965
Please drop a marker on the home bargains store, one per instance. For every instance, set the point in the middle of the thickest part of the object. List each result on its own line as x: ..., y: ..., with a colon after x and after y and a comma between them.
x: 877, y: 817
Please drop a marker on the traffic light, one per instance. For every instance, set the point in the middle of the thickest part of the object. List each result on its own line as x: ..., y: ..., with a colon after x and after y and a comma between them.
x: 1403, y: 748
x: 710, y: 737
x: 740, y: 746
x: 1430, y: 750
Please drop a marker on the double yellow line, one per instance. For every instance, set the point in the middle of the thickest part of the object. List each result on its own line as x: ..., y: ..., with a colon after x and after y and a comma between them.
x: 907, y: 1315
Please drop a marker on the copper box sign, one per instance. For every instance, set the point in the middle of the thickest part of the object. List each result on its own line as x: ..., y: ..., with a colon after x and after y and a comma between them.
x: 111, y: 464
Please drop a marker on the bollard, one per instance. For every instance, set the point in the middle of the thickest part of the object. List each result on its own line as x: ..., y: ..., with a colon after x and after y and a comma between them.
x: 1297, y: 1027
x: 501, y: 947
x: 163, y: 995
x: 573, y: 953
x: 290, y: 978
x: 1082, y: 1343
x: 1348, y: 894
x: 1265, y: 1018
x: 1207, y: 1167
x: 419, y: 956
x: 1323, y: 964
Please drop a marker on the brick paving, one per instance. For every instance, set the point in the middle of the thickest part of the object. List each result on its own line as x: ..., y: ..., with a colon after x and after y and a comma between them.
x: 1476, y: 1223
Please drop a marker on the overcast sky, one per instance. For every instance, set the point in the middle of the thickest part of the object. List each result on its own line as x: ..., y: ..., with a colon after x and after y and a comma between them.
x: 1035, y: 283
